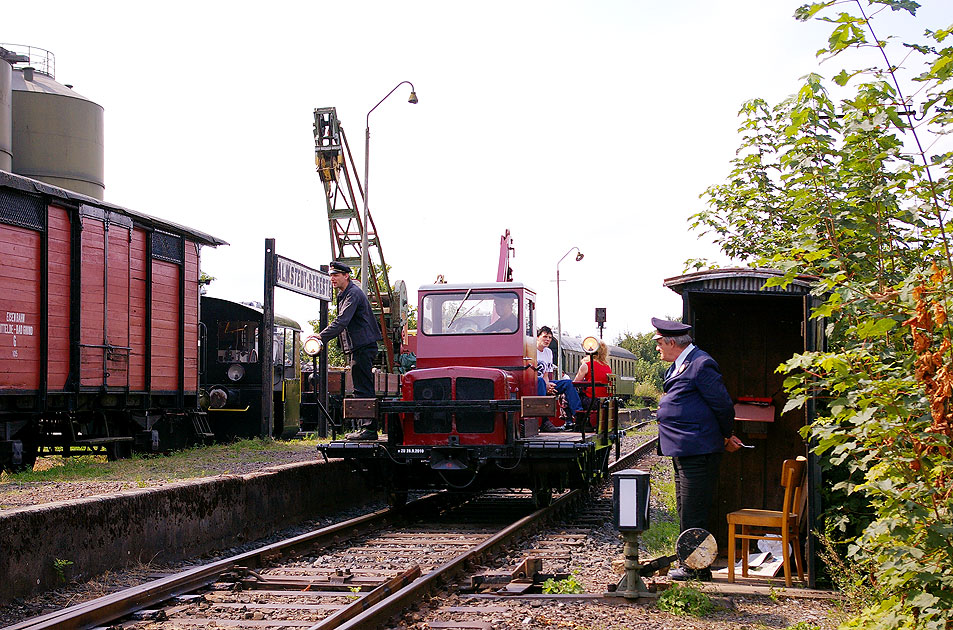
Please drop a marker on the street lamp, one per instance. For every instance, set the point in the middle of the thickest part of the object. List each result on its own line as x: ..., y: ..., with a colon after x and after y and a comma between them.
x: 367, y: 153
x: 559, y: 319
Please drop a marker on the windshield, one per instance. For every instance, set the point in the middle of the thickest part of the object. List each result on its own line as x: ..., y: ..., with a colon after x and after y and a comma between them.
x: 237, y: 342
x: 469, y: 312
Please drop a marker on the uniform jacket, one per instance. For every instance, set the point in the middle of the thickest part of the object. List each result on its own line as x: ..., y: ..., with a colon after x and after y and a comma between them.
x: 695, y: 413
x: 355, y: 321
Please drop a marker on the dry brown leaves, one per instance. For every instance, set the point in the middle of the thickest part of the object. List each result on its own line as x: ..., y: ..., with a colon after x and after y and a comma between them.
x: 932, y: 343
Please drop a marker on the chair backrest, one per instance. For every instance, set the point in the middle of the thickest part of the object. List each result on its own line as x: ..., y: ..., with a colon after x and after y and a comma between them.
x: 792, y: 476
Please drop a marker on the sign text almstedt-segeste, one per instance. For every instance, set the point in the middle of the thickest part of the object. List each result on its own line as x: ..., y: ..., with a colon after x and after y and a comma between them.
x: 301, y: 279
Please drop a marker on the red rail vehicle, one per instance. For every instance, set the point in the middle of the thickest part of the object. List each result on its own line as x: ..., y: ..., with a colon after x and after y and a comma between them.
x: 469, y: 416
x: 99, y: 325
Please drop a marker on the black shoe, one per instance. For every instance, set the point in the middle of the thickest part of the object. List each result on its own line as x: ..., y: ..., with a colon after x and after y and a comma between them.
x: 548, y: 427
x: 682, y: 574
x: 368, y: 435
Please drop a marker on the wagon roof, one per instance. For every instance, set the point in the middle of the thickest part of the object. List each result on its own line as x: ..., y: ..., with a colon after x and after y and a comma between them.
x: 280, y: 320
x: 737, y: 279
x: 33, y: 186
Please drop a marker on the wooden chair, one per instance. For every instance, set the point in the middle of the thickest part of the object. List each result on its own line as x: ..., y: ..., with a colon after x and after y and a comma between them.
x: 768, y: 524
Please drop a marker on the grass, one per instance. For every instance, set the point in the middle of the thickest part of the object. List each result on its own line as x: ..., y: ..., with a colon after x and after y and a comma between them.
x: 659, y: 539
x: 184, y: 464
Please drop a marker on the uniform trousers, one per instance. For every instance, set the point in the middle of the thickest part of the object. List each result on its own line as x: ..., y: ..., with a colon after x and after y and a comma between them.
x: 696, y: 480
x: 362, y: 360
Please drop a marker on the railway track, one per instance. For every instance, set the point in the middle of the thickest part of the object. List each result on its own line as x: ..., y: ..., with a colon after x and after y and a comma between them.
x: 355, y: 574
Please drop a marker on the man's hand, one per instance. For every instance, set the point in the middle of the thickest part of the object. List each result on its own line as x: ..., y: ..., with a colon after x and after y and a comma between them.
x: 550, y: 388
x: 733, y: 444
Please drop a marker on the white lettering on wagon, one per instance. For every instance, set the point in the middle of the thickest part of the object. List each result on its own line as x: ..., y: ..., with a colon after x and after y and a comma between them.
x: 15, y: 325
x: 15, y: 329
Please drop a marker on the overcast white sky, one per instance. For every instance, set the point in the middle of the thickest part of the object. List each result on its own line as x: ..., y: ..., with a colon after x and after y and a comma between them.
x: 594, y: 124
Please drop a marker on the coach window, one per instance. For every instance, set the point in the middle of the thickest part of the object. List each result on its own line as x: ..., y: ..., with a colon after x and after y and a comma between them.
x: 237, y: 342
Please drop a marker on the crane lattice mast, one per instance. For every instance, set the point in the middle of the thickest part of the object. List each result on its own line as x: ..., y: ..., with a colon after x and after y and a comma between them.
x: 342, y: 191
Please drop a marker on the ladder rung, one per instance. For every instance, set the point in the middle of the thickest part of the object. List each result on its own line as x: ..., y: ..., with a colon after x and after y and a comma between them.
x: 343, y: 213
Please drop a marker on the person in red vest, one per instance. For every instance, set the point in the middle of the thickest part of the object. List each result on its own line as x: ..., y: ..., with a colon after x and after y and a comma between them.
x: 602, y: 370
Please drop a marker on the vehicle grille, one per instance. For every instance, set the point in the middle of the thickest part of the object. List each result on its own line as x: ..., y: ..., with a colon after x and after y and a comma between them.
x: 432, y: 421
x: 475, y: 421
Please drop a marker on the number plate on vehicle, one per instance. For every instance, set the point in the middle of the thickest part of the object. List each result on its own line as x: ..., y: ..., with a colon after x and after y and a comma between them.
x: 411, y: 451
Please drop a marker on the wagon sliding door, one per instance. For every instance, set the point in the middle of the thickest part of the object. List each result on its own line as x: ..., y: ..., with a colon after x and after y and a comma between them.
x: 104, y: 299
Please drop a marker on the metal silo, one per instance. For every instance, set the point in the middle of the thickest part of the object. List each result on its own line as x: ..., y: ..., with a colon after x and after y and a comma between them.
x: 57, y: 133
x: 6, y: 121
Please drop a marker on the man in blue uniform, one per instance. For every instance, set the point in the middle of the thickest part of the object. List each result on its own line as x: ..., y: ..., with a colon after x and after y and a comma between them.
x: 696, y: 418
x: 359, y: 334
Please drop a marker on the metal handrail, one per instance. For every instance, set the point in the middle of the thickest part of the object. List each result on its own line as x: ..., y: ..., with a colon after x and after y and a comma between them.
x: 41, y: 60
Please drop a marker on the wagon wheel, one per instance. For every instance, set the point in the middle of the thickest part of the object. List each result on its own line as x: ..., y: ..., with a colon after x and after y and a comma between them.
x: 30, y: 452
x: 542, y: 497
x: 28, y: 459
x: 118, y: 450
x: 396, y: 498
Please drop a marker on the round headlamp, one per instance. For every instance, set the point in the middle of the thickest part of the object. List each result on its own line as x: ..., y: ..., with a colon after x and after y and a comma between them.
x: 312, y: 345
x: 235, y: 372
x: 590, y: 345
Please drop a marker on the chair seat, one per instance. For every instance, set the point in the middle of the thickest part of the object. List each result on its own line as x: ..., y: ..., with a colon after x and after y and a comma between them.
x: 766, y: 518
x: 785, y: 521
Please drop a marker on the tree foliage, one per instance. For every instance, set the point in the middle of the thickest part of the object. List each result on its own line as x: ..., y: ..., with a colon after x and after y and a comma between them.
x: 649, y: 368
x: 855, y: 190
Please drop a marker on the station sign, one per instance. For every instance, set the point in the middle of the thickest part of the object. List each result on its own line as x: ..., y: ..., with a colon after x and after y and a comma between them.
x: 301, y: 279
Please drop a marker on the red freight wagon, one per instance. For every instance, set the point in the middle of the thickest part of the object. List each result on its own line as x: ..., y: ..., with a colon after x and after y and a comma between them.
x: 99, y: 325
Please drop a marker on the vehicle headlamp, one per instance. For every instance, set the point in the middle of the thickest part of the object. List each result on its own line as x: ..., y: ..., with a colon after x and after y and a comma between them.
x: 312, y: 345
x: 235, y: 372
x: 590, y: 345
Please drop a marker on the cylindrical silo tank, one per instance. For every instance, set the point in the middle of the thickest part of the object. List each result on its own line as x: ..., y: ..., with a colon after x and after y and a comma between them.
x: 6, y: 121
x: 57, y: 133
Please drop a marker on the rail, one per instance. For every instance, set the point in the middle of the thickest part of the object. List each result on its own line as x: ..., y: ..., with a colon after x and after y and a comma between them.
x: 102, y: 611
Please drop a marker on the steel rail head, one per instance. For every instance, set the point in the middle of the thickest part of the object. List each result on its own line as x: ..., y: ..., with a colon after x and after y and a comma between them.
x: 107, y: 608
x: 100, y: 611
x: 380, y: 613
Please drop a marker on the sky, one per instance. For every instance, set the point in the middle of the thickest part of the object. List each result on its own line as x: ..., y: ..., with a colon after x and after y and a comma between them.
x: 593, y: 124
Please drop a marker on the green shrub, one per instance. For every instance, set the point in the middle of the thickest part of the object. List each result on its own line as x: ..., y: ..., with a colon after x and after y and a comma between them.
x: 685, y: 600
x: 847, y: 181
x: 568, y: 586
x: 648, y: 393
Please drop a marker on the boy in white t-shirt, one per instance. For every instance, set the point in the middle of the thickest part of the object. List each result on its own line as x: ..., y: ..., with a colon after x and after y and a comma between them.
x: 544, y: 372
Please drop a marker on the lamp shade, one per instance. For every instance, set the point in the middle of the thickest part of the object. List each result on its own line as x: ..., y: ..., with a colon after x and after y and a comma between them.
x: 630, y: 500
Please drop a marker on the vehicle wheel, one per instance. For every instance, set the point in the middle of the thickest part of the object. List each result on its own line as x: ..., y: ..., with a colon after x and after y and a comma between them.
x: 396, y: 498
x: 118, y: 450
x: 542, y: 497
x: 30, y: 452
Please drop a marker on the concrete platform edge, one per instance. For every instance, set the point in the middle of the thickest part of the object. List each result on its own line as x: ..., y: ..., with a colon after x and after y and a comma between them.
x: 182, y: 520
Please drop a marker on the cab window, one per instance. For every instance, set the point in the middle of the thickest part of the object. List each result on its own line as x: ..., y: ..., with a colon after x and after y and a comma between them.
x: 237, y: 342
x: 469, y: 313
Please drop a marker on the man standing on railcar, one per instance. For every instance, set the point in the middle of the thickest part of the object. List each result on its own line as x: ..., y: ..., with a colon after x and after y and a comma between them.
x: 359, y: 334
x: 696, y: 419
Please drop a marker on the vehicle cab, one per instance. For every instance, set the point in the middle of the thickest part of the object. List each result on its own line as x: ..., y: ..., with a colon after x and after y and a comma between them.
x: 475, y: 342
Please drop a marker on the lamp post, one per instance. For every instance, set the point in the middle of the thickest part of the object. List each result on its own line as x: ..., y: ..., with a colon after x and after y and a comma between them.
x: 559, y: 319
x: 367, y: 154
